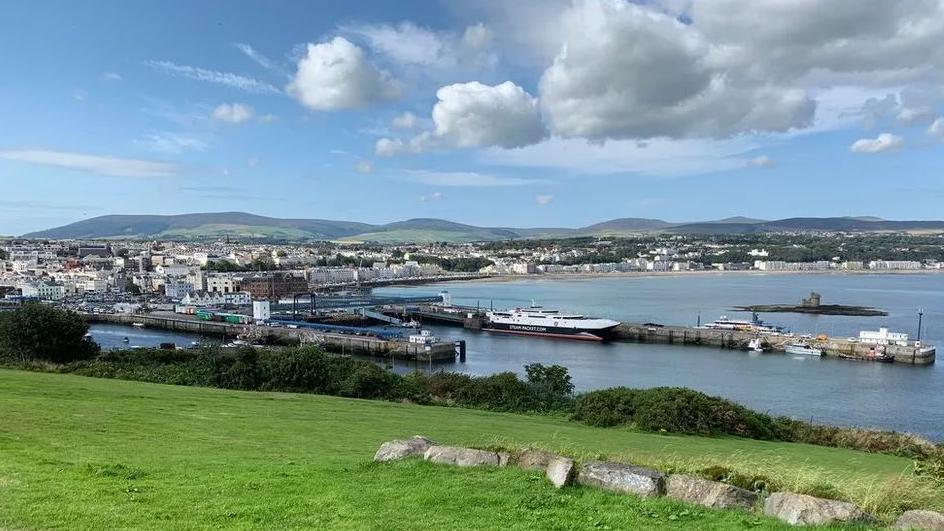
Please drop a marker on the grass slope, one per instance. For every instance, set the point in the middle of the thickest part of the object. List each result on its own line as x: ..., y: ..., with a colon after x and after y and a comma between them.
x: 88, y: 453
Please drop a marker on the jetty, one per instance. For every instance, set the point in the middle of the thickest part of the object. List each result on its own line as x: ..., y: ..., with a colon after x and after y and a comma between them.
x: 289, y: 332
x: 474, y: 319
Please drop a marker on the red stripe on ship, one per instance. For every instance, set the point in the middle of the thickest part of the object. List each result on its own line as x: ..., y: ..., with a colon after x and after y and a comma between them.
x: 583, y: 336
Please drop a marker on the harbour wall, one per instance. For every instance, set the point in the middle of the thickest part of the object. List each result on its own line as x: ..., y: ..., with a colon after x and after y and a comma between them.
x: 334, y: 342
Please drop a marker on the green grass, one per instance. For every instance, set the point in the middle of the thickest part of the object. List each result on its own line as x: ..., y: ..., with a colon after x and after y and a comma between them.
x: 92, y: 453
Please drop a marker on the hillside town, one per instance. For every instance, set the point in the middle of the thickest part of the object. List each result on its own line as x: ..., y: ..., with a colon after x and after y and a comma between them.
x: 126, y: 274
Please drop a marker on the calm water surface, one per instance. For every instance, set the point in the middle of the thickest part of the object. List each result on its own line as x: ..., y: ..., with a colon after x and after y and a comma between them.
x: 110, y: 337
x: 891, y: 396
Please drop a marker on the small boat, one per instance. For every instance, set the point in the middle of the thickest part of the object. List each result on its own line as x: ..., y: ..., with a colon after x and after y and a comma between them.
x: 755, y: 345
x: 194, y: 343
x: 125, y: 339
x: 803, y: 349
x: 138, y: 325
x: 411, y: 324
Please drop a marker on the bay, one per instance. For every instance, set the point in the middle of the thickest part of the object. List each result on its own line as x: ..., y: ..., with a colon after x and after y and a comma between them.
x: 832, y: 391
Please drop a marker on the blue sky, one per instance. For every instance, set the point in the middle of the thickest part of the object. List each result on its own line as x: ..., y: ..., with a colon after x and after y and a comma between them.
x: 494, y: 113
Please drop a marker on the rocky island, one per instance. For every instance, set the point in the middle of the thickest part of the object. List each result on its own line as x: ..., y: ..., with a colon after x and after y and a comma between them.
x: 812, y: 304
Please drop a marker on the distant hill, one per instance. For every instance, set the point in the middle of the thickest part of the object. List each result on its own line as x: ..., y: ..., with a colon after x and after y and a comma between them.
x: 250, y: 226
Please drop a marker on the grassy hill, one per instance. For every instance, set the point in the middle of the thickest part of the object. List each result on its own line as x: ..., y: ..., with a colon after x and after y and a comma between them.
x: 423, y: 230
x: 90, y: 453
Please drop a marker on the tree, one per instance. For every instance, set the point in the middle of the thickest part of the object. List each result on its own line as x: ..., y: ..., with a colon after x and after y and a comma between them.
x: 37, y: 332
x: 131, y: 287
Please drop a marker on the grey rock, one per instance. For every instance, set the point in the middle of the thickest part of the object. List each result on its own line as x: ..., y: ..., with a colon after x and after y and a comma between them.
x: 622, y: 478
x: 401, y: 448
x: 534, y: 459
x: 924, y: 520
x: 709, y: 493
x: 451, y: 455
x: 800, y: 509
x: 560, y: 471
x: 504, y: 458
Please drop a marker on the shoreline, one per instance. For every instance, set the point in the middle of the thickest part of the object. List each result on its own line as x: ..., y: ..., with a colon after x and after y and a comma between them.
x: 648, y: 274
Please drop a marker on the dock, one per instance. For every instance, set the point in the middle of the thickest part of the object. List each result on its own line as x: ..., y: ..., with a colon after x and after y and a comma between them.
x: 474, y: 319
x: 362, y: 345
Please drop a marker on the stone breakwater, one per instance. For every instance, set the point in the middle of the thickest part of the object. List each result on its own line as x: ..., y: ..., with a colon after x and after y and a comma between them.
x: 622, y: 478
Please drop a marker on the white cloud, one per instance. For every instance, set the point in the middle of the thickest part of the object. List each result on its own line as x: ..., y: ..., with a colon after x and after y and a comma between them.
x: 267, y: 118
x: 543, y: 199
x: 237, y: 81
x: 404, y: 43
x: 473, y: 115
x: 477, y: 115
x: 364, y: 166
x: 255, y: 56
x: 233, y: 113
x: 103, y: 165
x: 465, y: 179
x: 626, y: 71
x: 937, y: 128
x: 761, y: 161
x: 111, y: 76
x: 884, y: 142
x: 435, y: 196
x: 252, y: 162
x: 406, y: 120
x: 173, y: 143
x: 336, y: 75
x: 477, y: 36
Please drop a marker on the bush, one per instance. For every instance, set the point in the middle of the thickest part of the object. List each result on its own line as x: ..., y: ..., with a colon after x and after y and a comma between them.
x: 744, y: 481
x: 674, y: 410
x: 37, y: 332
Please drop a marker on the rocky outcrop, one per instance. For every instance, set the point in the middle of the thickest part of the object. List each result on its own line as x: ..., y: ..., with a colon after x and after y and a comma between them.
x: 921, y: 520
x: 709, y: 493
x: 402, y: 448
x: 451, y: 455
x: 622, y: 478
x: 800, y: 509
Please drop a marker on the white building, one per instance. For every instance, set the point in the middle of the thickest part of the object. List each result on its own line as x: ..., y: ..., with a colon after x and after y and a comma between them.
x: 216, y: 298
x: 221, y: 284
x: 883, y: 337
x: 261, y: 310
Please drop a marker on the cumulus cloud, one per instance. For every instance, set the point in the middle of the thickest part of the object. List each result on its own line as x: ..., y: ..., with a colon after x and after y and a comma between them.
x: 465, y: 179
x: 472, y: 115
x: 544, y: 199
x: 626, y: 71
x: 336, y: 75
x: 937, y: 128
x: 883, y: 142
x: 103, y: 165
x: 233, y: 113
x: 237, y: 81
x: 477, y: 36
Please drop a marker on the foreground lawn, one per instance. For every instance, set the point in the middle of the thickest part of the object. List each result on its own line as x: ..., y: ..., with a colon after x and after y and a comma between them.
x: 90, y: 453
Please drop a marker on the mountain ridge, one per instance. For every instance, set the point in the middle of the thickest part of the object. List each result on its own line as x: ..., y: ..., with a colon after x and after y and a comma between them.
x: 253, y: 226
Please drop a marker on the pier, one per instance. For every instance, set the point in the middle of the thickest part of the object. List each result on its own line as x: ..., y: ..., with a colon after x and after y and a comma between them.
x: 363, y: 345
x: 474, y: 318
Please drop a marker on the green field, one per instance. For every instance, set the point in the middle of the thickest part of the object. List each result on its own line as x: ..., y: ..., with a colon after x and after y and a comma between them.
x: 81, y: 452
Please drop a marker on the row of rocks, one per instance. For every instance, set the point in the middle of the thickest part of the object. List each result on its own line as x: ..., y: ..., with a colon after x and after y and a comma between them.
x: 795, y: 509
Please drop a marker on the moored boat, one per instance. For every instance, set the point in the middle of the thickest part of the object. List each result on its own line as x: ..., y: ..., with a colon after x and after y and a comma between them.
x: 538, y: 321
x: 803, y: 349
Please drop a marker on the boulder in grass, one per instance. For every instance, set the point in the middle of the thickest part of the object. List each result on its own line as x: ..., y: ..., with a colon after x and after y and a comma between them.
x: 921, y: 520
x: 560, y: 471
x: 451, y: 455
x: 801, y: 509
x: 534, y: 459
x: 402, y: 448
x: 709, y: 493
x: 622, y: 478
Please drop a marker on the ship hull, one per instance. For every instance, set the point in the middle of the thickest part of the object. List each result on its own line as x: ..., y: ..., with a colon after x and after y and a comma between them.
x: 554, y: 332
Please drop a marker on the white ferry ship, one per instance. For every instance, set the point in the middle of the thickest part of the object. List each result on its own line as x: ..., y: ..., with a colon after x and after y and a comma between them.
x: 537, y: 321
